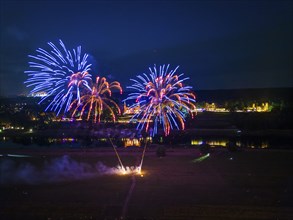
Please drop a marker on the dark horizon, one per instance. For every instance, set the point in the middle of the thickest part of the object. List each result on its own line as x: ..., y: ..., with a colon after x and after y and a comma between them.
x: 218, y: 95
x: 126, y: 91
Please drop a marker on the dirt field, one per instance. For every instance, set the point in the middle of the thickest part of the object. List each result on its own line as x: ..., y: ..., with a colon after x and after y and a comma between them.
x: 251, y: 184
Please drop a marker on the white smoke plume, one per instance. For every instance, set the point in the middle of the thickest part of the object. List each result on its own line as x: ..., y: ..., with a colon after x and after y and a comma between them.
x: 58, y: 169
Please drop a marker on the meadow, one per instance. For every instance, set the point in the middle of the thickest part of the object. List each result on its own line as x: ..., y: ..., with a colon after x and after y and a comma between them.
x: 247, y: 184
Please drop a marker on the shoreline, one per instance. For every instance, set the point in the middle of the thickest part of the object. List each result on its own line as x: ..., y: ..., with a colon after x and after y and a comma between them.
x: 100, y: 151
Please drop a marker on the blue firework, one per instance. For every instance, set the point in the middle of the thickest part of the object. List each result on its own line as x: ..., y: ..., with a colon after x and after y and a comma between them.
x: 60, y: 74
x: 162, y: 100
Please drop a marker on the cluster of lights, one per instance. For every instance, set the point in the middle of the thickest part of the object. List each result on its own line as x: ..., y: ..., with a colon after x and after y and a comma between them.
x: 12, y: 128
x: 130, y: 170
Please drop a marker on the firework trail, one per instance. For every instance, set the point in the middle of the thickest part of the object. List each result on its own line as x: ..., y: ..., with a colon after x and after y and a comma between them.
x: 162, y: 99
x: 60, y: 74
x: 98, y: 100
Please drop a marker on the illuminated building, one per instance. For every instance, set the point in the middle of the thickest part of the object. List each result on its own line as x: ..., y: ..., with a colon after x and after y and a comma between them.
x: 135, y: 142
x: 131, y: 142
x: 213, y: 108
x: 264, y: 107
x: 38, y: 94
x: 130, y: 111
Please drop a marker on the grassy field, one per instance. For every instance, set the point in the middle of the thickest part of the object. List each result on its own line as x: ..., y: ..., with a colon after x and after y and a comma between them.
x: 251, y: 184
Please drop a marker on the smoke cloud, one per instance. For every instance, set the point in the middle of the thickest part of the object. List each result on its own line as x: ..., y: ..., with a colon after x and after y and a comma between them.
x: 58, y: 169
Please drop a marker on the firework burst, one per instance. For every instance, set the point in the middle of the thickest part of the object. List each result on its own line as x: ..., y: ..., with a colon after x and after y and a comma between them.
x: 60, y: 74
x: 162, y: 99
x: 92, y: 105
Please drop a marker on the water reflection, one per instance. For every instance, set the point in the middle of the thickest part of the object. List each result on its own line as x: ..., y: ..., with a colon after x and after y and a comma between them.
x: 241, y: 142
x: 248, y: 143
x: 212, y: 143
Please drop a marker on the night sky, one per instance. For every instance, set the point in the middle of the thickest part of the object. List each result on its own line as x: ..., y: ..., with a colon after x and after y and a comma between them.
x: 218, y: 44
